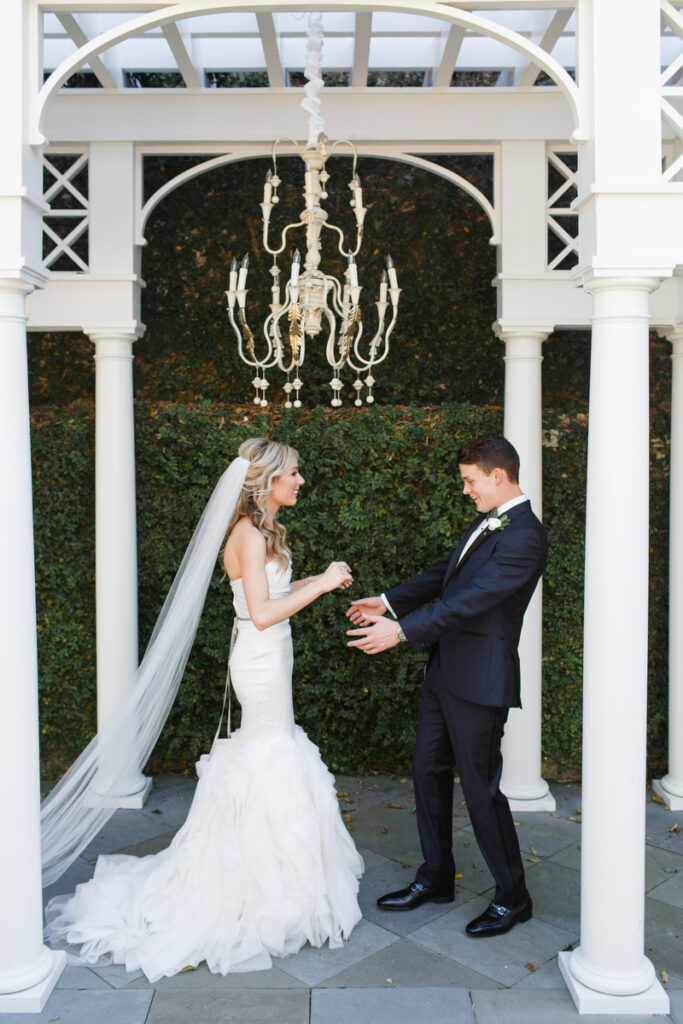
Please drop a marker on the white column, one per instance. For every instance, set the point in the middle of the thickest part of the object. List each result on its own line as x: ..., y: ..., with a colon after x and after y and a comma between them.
x: 670, y: 788
x: 609, y: 965
x: 116, y: 539
x: 522, y: 781
x: 28, y: 969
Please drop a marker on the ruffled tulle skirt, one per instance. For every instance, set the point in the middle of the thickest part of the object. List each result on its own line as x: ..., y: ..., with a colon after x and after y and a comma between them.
x: 262, y: 865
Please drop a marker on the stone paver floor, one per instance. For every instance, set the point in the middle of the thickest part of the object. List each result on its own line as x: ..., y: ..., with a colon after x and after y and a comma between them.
x: 397, y: 968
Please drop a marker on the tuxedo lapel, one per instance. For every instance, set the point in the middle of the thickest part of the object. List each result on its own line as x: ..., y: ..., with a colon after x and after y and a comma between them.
x: 453, y: 564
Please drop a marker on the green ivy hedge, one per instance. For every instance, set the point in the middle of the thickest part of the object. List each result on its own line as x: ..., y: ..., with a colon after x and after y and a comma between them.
x: 382, y: 491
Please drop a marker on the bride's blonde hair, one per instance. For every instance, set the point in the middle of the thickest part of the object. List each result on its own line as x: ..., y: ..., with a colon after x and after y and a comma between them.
x: 269, y: 460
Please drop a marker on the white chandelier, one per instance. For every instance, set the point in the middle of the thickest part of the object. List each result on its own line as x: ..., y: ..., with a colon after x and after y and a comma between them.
x: 313, y: 300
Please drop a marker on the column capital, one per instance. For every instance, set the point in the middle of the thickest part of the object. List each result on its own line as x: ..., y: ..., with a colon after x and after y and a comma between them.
x: 130, y: 331
x: 507, y: 330
x: 596, y: 279
x: 674, y: 334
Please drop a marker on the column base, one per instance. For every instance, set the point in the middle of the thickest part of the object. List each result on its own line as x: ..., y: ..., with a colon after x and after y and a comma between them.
x: 672, y: 801
x: 32, y: 1000
x: 133, y: 800
x: 653, y: 1000
x: 529, y: 798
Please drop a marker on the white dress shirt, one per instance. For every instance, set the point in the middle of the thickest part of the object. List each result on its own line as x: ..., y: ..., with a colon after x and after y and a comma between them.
x: 502, y: 509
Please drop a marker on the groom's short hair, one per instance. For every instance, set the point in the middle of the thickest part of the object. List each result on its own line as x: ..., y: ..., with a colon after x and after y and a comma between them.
x: 492, y: 451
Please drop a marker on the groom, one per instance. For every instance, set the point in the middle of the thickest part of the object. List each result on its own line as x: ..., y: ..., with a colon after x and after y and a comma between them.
x: 476, y: 598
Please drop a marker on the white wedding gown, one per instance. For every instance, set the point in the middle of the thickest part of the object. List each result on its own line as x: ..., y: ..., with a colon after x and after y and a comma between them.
x: 263, y: 863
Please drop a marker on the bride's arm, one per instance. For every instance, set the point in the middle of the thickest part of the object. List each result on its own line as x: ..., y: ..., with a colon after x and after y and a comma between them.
x: 297, y: 584
x: 265, y: 610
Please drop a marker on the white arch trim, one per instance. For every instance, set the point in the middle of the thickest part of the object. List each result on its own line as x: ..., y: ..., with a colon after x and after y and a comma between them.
x: 436, y: 8
x: 264, y: 151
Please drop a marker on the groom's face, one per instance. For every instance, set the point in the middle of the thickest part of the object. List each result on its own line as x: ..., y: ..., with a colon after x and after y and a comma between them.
x: 480, y: 486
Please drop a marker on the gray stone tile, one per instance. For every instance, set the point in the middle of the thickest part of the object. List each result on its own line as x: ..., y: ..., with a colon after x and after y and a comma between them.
x: 541, y: 835
x: 676, y: 1007
x: 502, y: 958
x: 670, y: 892
x: 664, y: 935
x: 555, y: 890
x: 89, y: 1007
x: 123, y: 829
x: 202, y: 978
x: 546, y: 976
x: 384, y: 830
x: 255, y: 1006
x: 80, y: 871
x: 81, y: 978
x: 405, y: 964
x: 170, y: 799
x: 148, y: 846
x: 372, y: 859
x: 469, y: 863
x: 316, y: 965
x: 660, y: 866
x: 570, y: 857
x: 387, y: 878
x: 541, y: 1007
x: 116, y: 975
x: 398, y: 1006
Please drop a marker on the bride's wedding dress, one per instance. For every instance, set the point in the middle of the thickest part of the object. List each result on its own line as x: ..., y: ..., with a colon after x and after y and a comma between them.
x: 263, y: 863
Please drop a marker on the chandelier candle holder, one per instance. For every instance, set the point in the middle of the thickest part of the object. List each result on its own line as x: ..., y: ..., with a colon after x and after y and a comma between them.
x: 313, y: 301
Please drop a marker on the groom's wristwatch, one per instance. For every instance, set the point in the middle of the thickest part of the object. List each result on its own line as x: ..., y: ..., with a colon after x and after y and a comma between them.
x: 399, y: 633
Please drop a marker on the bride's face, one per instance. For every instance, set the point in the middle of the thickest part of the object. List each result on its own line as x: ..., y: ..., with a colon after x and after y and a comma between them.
x: 286, y: 488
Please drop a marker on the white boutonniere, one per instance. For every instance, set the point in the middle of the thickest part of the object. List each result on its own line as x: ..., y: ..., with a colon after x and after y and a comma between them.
x: 495, y: 523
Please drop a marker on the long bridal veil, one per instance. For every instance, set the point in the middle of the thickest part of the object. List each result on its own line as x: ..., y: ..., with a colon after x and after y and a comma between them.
x: 85, y: 798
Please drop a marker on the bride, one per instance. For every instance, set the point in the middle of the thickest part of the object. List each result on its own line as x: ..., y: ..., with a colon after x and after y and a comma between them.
x: 263, y: 862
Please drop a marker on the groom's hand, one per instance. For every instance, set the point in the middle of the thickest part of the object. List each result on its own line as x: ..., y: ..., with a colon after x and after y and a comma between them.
x: 361, y: 610
x: 378, y: 637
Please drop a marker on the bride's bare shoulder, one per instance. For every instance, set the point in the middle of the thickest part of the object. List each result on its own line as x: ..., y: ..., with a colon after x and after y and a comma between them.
x: 245, y: 544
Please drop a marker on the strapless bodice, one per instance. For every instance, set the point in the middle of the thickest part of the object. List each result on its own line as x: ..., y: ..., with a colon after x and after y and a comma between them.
x: 278, y: 586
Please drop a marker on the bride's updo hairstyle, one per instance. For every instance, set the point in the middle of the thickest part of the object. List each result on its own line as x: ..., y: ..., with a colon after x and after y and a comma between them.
x: 269, y: 460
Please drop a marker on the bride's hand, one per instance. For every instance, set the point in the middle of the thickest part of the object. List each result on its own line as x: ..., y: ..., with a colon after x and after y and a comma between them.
x: 364, y: 606
x: 337, y: 574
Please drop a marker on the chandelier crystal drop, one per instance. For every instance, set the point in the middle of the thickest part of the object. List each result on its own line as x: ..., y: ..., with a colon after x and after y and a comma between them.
x: 311, y: 301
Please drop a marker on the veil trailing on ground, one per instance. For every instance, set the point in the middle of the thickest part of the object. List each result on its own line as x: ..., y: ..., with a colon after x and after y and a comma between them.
x: 85, y: 798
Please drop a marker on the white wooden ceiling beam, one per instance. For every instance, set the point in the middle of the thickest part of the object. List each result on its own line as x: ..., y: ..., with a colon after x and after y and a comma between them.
x: 271, y: 50
x: 108, y: 77
x: 449, y: 57
x: 181, y: 55
x: 550, y: 37
x: 361, y: 49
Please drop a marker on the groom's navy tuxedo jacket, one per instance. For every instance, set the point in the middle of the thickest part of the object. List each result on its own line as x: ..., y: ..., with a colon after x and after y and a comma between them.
x: 472, y: 630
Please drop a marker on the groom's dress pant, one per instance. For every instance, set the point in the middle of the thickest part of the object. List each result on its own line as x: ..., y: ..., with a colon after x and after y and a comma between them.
x: 453, y: 730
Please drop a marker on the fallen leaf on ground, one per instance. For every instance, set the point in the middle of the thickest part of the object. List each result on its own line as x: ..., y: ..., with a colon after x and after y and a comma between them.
x: 383, y: 830
x: 674, y: 829
x: 572, y: 818
x: 665, y: 977
x: 655, y: 799
x: 459, y: 874
x: 533, y: 850
x: 530, y: 967
x: 397, y: 807
x: 533, y: 860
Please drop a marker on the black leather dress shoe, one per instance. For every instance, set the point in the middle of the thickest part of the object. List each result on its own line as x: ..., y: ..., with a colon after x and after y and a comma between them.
x: 496, y: 919
x: 415, y: 894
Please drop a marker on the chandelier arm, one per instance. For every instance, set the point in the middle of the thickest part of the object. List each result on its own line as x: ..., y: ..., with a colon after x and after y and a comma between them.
x: 346, y: 142
x: 240, y: 340
x: 345, y: 251
x: 283, y: 237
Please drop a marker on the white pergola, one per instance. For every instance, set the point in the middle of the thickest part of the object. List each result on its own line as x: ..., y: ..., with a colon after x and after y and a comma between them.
x: 586, y: 91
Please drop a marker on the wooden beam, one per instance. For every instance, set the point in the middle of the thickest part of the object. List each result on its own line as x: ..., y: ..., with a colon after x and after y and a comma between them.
x: 550, y: 38
x: 361, y: 49
x: 98, y: 64
x: 450, y: 55
x: 181, y: 55
x: 271, y: 50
